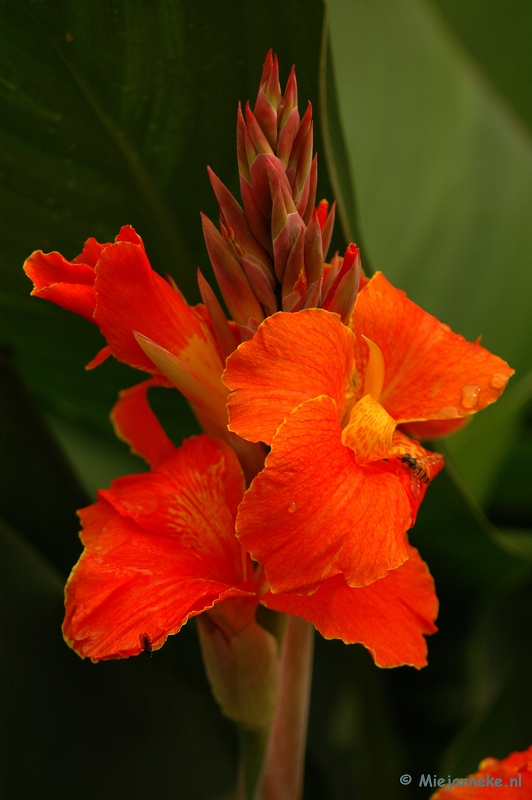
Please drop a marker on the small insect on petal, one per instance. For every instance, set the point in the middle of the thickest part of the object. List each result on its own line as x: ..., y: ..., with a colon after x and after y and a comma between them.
x: 419, y: 470
x: 146, y: 644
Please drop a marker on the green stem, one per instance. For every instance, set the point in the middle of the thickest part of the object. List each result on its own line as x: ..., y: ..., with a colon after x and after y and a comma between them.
x: 282, y: 752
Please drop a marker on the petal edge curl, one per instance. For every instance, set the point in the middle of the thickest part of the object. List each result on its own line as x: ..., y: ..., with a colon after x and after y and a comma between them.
x: 390, y: 617
x: 291, y: 358
x: 314, y: 513
x: 431, y: 372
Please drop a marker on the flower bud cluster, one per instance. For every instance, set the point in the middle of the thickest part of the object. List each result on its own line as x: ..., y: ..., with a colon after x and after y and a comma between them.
x: 269, y: 255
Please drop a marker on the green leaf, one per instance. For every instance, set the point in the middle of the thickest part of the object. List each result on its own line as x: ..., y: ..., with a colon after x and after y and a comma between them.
x: 443, y: 179
x: 517, y: 542
x: 500, y: 660
x: 110, y: 112
x: 39, y: 494
x: 354, y: 748
x: 460, y: 544
x: 500, y: 44
x: 133, y: 728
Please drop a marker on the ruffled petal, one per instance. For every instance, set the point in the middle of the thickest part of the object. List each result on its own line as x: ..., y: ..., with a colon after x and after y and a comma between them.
x: 135, y: 423
x: 511, y: 776
x: 390, y: 616
x: 65, y: 283
x: 159, y: 548
x: 132, y: 297
x: 192, y: 497
x: 314, y: 512
x: 91, y: 252
x: 135, y: 305
x: 431, y: 373
x: 291, y: 358
x: 415, y: 467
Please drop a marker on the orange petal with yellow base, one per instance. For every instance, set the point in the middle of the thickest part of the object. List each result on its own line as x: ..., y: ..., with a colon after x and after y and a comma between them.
x: 159, y: 548
x: 291, y: 358
x: 431, y: 373
x: 390, y: 616
x: 314, y: 512
x: 131, y: 297
x: 511, y: 777
x: 369, y: 432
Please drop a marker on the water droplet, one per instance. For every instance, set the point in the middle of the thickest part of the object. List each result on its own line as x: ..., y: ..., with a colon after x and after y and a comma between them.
x: 292, y: 506
x: 445, y: 327
x: 498, y: 380
x: 470, y: 396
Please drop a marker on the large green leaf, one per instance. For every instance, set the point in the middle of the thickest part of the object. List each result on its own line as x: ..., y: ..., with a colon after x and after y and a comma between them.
x: 497, y: 34
x: 110, y: 112
x: 443, y: 179
x: 500, y: 662
x: 137, y: 728
x: 39, y: 494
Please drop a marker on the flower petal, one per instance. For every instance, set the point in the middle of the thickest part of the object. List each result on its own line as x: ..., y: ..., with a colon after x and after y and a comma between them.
x: 313, y: 512
x: 507, y: 775
x: 159, y: 548
x: 65, y: 283
x: 132, y: 297
x: 135, y: 423
x: 195, y: 374
x: 192, y: 496
x: 291, y: 358
x: 390, y: 616
x: 433, y: 429
x: 431, y: 373
x: 369, y: 432
x: 92, y: 250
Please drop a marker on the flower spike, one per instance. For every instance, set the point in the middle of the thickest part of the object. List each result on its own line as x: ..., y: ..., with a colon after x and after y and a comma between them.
x: 268, y: 99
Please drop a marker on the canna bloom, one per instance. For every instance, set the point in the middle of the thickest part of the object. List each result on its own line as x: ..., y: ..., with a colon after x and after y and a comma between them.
x: 147, y: 324
x: 508, y: 775
x: 329, y: 370
x: 138, y: 312
x: 160, y: 548
x: 343, y: 482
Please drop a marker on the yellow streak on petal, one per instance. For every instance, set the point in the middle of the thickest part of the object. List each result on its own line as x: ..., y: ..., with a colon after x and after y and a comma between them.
x: 196, y: 372
x: 369, y: 432
x: 374, y: 374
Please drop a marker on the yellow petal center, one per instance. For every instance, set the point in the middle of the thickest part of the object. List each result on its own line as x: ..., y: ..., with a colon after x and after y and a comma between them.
x: 369, y: 432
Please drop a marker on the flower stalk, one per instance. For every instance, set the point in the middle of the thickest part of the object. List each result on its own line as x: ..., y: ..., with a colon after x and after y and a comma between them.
x: 273, y: 758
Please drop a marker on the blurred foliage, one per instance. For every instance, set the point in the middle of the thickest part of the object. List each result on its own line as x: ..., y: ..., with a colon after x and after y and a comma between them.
x: 110, y: 112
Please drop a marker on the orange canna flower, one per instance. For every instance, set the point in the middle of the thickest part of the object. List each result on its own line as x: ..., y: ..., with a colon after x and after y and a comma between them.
x: 160, y: 548
x: 508, y: 775
x: 146, y: 321
x: 342, y: 484
x: 333, y: 388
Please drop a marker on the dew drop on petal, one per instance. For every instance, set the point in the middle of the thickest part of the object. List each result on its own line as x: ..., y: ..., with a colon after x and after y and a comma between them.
x: 447, y: 412
x: 292, y: 507
x: 470, y: 396
x: 498, y: 380
x: 445, y: 327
